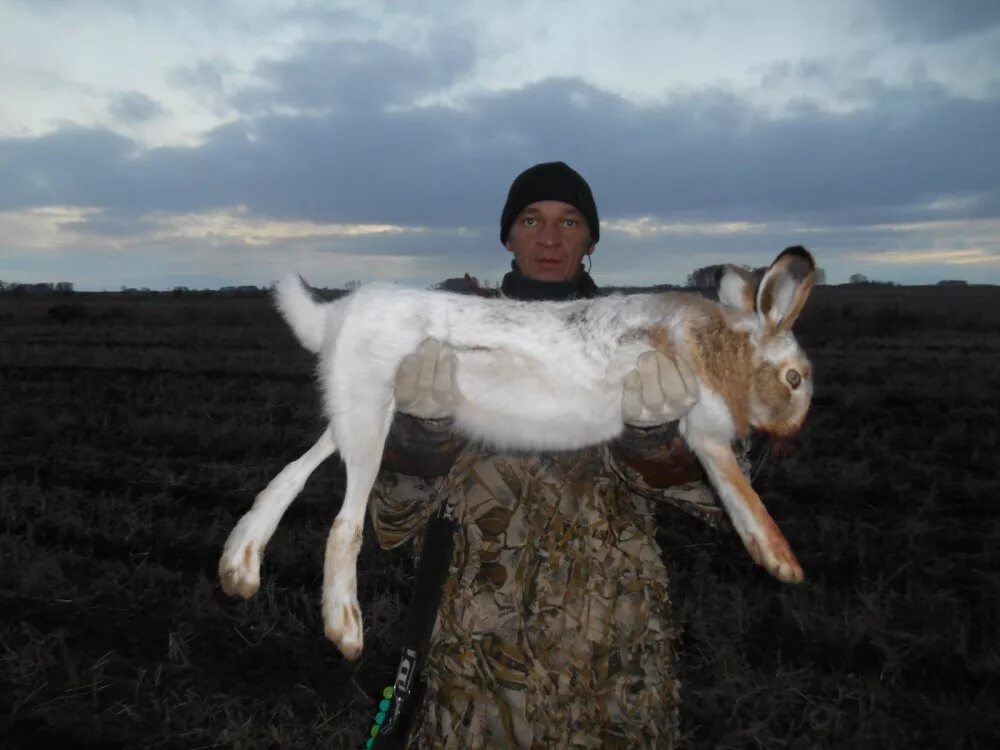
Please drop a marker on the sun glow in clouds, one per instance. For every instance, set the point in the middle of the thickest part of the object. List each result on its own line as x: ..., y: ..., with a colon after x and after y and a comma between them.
x: 44, y: 227
x: 240, y: 226
x: 52, y: 227
x: 647, y: 226
x: 949, y: 257
x: 983, y: 227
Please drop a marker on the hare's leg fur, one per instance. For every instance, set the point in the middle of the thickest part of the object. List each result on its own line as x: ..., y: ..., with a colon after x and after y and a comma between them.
x: 760, y: 534
x: 239, y: 566
x: 367, y: 425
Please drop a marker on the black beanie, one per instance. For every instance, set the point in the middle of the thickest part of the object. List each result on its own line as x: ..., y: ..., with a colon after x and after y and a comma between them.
x: 551, y: 181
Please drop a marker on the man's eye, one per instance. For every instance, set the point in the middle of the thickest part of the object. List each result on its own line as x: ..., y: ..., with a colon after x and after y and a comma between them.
x: 571, y: 223
x: 529, y: 221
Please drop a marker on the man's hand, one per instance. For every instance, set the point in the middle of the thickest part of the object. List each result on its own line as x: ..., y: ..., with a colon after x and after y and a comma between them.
x: 657, y: 391
x: 425, y: 382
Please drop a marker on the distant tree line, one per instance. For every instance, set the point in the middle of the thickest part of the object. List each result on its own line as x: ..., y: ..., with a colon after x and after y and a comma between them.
x: 245, y: 290
x: 860, y: 278
x: 707, y: 277
x: 45, y: 287
x: 466, y: 284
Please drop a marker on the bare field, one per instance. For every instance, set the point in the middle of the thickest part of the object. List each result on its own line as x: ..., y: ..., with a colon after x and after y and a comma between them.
x: 135, y: 431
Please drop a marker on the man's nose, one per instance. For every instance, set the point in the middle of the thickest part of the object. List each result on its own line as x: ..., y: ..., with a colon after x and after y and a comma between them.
x: 549, y: 233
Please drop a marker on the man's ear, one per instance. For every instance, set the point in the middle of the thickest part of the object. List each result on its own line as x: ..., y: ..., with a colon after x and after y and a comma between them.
x: 590, y: 250
x: 507, y: 245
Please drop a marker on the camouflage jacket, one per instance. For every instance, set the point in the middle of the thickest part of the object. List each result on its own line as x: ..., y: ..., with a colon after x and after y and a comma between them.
x: 555, y: 627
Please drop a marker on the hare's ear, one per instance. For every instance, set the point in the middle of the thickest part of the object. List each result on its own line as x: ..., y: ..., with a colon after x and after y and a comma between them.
x: 784, y: 288
x: 736, y: 287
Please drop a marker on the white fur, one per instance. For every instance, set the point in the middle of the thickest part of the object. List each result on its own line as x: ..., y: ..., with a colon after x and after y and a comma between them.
x: 529, y: 376
x: 731, y: 287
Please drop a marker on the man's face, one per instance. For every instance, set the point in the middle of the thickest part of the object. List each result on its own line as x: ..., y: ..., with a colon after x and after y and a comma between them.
x: 549, y: 239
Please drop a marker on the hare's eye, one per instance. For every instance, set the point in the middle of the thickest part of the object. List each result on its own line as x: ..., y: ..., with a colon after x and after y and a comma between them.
x: 793, y: 378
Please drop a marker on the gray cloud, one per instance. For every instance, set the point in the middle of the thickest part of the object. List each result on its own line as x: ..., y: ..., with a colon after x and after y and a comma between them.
x: 355, y: 158
x: 78, y: 166
x: 134, y: 106
x: 203, y: 76
x: 935, y: 21
x: 359, y: 76
x: 111, y: 224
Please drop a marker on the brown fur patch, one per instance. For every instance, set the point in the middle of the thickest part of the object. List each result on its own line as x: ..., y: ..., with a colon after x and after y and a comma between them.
x: 748, y: 297
x: 726, y: 362
x: 659, y: 339
x: 774, y: 396
x: 767, y: 295
x: 248, y: 557
x: 721, y: 357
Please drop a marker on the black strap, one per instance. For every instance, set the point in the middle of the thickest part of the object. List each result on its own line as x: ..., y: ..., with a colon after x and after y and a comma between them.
x: 432, y: 570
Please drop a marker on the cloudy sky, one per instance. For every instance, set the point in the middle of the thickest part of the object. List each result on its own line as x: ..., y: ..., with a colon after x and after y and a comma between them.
x: 214, y: 143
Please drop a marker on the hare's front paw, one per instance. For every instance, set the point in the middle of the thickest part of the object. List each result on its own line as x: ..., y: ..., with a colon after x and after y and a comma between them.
x: 772, y: 552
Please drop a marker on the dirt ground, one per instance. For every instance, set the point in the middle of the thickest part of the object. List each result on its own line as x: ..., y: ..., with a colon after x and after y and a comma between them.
x: 135, y: 431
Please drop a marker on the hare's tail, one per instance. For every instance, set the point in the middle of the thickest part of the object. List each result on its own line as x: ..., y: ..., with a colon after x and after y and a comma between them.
x: 309, y: 319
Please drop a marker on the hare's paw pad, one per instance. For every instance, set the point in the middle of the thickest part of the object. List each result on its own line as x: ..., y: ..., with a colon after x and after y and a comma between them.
x: 342, y: 625
x: 776, y: 557
x: 239, y: 570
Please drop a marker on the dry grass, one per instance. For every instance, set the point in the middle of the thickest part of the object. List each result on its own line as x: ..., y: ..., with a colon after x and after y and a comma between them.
x: 136, y: 432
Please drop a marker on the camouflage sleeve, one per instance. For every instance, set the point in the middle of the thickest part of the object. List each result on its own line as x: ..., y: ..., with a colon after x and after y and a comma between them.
x: 400, y: 506
x: 418, y: 452
x: 655, y: 463
x: 420, y: 447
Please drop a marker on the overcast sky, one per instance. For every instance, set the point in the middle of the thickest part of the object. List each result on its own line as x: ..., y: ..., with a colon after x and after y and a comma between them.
x: 204, y: 144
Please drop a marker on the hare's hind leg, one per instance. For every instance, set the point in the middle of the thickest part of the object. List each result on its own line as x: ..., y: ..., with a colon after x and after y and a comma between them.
x: 760, y: 534
x: 239, y: 566
x: 362, y: 430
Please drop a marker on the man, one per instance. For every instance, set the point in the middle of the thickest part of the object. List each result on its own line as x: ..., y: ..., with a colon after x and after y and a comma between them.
x: 555, y: 628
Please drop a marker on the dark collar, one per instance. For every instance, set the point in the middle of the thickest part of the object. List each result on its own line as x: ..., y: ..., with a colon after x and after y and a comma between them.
x: 518, y: 286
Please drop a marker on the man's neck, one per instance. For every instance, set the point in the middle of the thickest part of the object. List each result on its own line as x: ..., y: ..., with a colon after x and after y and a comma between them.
x: 518, y: 286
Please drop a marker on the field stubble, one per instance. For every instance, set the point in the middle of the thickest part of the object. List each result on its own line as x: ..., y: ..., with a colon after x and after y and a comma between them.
x: 135, y: 432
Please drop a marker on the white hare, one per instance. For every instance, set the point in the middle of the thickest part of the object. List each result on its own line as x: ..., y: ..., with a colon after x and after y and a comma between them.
x: 538, y: 376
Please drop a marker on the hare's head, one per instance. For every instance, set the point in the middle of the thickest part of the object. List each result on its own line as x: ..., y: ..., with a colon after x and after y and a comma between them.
x: 782, y: 386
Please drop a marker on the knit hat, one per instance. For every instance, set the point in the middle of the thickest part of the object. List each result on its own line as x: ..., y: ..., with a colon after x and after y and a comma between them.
x: 551, y: 181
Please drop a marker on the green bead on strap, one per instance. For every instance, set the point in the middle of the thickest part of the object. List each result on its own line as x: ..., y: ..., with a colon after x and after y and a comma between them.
x: 380, y: 717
